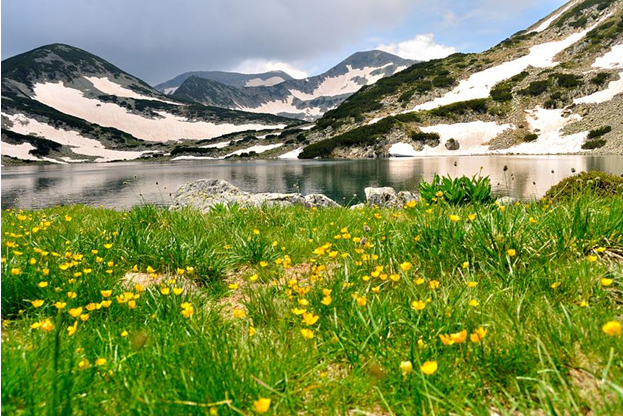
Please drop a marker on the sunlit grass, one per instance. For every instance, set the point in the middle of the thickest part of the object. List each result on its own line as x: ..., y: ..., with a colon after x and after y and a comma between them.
x: 426, y: 309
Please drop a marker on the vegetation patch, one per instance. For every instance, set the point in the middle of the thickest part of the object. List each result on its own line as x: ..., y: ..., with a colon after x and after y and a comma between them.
x: 456, y: 191
x: 360, y: 136
x: 478, y: 106
x: 530, y: 137
x: 593, y: 134
x: 599, y: 183
x: 593, y: 144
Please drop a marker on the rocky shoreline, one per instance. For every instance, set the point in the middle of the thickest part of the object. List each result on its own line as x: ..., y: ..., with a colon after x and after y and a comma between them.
x: 206, y: 194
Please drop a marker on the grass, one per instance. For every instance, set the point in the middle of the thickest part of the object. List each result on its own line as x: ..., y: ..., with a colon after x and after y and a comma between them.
x: 540, y: 278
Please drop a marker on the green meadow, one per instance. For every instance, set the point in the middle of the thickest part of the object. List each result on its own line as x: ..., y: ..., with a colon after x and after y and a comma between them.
x: 433, y: 308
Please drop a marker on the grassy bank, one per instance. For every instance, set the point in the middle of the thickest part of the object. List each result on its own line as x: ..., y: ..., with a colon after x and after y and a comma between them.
x: 430, y: 309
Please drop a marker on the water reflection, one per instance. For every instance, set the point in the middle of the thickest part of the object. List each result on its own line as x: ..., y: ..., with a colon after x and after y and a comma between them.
x: 122, y: 185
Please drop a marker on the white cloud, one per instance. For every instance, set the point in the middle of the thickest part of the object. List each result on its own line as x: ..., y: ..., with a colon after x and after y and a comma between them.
x: 422, y: 47
x: 257, y: 66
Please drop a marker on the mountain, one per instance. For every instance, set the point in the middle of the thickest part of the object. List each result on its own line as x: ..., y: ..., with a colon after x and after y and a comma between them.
x: 553, y: 88
x: 307, y: 98
x: 62, y: 104
x: 233, y: 79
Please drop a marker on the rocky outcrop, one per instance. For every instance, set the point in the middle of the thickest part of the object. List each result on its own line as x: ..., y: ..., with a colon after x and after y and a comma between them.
x: 207, y: 193
x: 387, y: 197
x: 453, y: 144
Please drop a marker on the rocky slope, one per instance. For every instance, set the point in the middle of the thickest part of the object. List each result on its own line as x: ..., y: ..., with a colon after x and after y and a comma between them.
x: 61, y: 104
x: 307, y: 98
x: 233, y: 79
x: 556, y: 87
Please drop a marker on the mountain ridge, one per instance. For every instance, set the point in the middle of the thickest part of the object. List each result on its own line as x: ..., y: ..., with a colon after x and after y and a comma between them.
x: 306, y: 98
x: 97, y: 112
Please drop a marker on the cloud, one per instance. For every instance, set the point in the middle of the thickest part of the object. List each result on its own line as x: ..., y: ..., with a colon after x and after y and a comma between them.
x: 256, y: 66
x: 158, y: 39
x: 422, y: 47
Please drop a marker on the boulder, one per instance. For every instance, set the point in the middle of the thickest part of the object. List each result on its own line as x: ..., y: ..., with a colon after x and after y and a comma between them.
x: 406, y: 196
x: 382, y: 197
x: 453, y: 144
x: 320, y: 200
x: 207, y: 193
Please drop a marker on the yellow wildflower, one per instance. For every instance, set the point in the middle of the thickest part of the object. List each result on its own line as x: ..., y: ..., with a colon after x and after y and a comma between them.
x: 37, y: 303
x: 307, y: 333
x: 612, y: 328
x: 261, y: 405
x: 429, y: 367
x: 406, y: 367
x: 478, y: 335
x: 418, y: 305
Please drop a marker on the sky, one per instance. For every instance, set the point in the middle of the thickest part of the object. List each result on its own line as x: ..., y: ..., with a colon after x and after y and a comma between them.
x: 159, y: 39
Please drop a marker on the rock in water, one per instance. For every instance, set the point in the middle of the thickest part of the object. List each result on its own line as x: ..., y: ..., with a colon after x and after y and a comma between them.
x: 206, y: 193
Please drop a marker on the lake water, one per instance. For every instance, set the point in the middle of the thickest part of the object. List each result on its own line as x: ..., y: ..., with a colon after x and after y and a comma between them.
x: 123, y: 185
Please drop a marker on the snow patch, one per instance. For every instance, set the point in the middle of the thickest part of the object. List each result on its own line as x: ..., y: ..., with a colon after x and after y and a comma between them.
x: 169, y: 91
x: 549, y: 21
x: 194, y: 158
x: 402, y: 150
x: 259, y: 82
x: 79, y: 144
x: 479, y: 84
x: 19, y: 151
x: 473, y: 138
x: 260, y: 148
x: 343, y: 84
x: 612, y: 59
x: 216, y: 145
x: 294, y: 154
x: 169, y: 127
x: 548, y: 124
x: 614, y: 88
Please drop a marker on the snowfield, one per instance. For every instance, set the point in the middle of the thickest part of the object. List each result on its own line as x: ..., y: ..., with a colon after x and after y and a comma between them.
x: 473, y: 138
x: 614, y: 88
x: 168, y: 127
x: 259, y: 82
x: 19, y: 151
x: 343, y: 84
x: 549, y: 21
x: 548, y: 124
x: 111, y: 88
x: 294, y: 154
x: 78, y: 143
x: 610, y: 60
x: 260, y: 148
x: 479, y: 85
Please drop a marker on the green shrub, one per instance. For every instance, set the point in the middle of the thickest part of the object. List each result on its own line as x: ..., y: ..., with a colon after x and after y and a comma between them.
x: 593, y: 144
x: 536, y: 88
x: 593, y: 134
x: 530, y: 137
x: 443, y: 81
x: 566, y: 80
x: 463, y: 107
x: 600, y: 78
x: 600, y: 183
x: 457, y: 191
x: 502, y: 93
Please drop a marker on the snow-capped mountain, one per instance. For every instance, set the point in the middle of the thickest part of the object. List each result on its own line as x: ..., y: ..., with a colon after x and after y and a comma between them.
x: 556, y: 87
x: 62, y: 104
x: 233, y: 79
x: 307, y: 98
